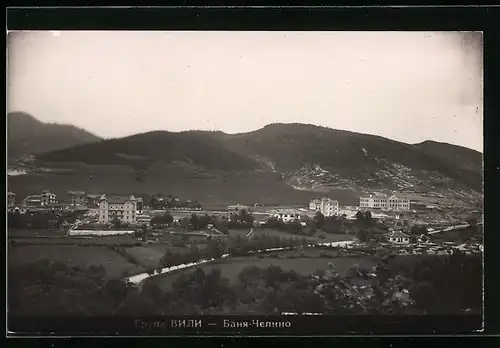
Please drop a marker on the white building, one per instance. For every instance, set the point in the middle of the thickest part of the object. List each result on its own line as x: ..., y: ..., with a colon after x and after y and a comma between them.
x: 120, y: 207
x: 47, y: 197
x: 315, y: 204
x: 394, y: 202
x: 326, y: 206
x: 398, y: 237
x: 286, y: 215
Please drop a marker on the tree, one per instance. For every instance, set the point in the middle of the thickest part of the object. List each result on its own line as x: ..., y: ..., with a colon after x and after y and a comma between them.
x: 418, y: 230
x: 168, y: 218
x: 360, y: 217
x: 363, y: 235
x: 194, y: 253
x: 274, y: 222
x: 472, y: 220
x: 368, y: 217
x: 319, y: 219
x: 116, y: 222
x: 194, y: 221
x: 184, y: 223
x: 203, y: 221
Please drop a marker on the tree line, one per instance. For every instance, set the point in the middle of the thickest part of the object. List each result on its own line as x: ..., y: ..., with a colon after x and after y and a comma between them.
x: 432, y: 285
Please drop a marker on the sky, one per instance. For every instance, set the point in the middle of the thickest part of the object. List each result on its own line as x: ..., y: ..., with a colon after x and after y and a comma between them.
x: 406, y: 86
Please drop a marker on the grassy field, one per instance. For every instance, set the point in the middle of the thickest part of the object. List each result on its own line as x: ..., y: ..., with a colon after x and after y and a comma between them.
x: 231, y: 268
x: 48, y: 240
x: 148, y: 257
x: 74, y: 256
x: 150, y: 254
x: 25, y: 233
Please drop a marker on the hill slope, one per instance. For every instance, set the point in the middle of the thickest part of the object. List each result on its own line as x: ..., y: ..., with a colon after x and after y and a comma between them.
x: 27, y: 135
x: 462, y: 157
x: 279, y: 163
x: 142, y: 150
x: 319, y: 157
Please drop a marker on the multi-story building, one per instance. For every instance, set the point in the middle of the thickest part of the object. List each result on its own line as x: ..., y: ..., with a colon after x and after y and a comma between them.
x: 393, y: 202
x: 78, y: 197
x: 48, y: 197
x: 118, y: 207
x: 326, y: 206
x: 315, y: 204
x: 11, y: 199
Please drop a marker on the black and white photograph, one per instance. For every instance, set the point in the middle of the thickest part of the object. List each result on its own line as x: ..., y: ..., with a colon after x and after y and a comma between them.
x: 244, y: 173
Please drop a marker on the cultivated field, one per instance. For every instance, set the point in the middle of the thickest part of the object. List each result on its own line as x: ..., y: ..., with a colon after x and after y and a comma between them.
x: 232, y: 268
x: 74, y: 256
x: 150, y: 254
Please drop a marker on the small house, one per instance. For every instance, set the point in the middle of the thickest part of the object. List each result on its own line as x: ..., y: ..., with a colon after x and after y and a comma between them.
x: 398, y: 237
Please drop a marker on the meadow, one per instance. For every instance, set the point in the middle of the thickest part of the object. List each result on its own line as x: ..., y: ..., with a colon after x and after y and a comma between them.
x: 73, y: 256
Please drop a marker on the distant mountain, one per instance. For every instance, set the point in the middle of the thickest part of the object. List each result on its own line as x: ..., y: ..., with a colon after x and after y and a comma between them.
x: 27, y: 135
x: 312, y: 156
x: 143, y: 150
x: 269, y: 163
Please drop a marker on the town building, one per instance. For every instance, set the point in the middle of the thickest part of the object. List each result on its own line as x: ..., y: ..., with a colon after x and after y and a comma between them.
x: 18, y: 210
x: 78, y: 197
x: 236, y: 209
x: 326, y: 206
x: 48, y: 197
x: 393, y: 202
x: 143, y: 218
x: 286, y: 216
x: 398, y: 237
x: 118, y: 207
x: 11, y: 199
x: 32, y: 201
x: 315, y: 204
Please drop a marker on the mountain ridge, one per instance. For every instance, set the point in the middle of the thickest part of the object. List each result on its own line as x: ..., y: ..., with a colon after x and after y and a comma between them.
x: 303, y: 157
x: 27, y: 135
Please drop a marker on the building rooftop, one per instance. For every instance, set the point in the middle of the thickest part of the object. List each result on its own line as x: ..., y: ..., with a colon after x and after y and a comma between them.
x: 385, y: 196
x: 119, y: 199
x: 34, y: 197
x: 76, y: 192
x: 237, y: 206
x: 285, y: 211
x: 397, y: 234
